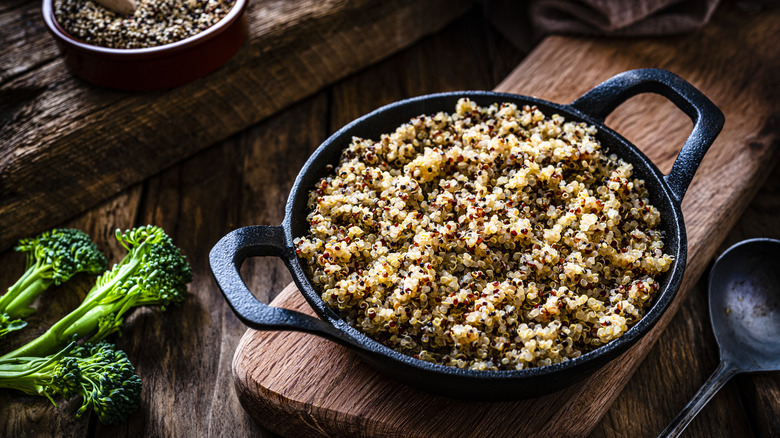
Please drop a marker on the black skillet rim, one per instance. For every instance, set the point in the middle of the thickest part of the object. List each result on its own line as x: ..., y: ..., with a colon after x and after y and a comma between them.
x: 602, y: 354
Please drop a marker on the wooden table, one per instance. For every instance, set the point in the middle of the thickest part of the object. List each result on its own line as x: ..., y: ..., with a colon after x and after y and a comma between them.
x: 184, y: 354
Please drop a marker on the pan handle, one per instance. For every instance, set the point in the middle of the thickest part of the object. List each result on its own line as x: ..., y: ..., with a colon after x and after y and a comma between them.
x: 226, y: 258
x: 707, y: 118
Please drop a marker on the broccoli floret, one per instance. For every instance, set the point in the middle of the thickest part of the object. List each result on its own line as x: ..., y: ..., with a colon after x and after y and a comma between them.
x: 100, y: 373
x: 52, y: 258
x: 154, y: 272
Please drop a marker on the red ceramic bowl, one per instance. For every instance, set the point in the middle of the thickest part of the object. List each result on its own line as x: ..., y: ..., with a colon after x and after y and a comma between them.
x: 152, y: 68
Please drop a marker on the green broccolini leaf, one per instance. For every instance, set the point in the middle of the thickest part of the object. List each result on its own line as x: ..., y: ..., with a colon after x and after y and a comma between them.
x: 7, y: 324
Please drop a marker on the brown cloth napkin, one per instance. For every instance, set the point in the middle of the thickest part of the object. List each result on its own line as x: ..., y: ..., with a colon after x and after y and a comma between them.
x: 619, y: 17
x: 526, y: 22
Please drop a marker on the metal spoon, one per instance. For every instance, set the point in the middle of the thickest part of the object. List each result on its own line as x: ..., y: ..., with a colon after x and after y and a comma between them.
x: 745, y: 314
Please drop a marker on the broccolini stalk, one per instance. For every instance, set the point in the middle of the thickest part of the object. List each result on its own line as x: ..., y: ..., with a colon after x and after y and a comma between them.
x: 100, y: 373
x: 53, y: 257
x: 154, y: 272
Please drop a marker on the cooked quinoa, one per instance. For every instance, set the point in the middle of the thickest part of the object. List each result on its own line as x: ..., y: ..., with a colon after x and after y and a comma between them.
x: 154, y: 22
x: 495, y: 238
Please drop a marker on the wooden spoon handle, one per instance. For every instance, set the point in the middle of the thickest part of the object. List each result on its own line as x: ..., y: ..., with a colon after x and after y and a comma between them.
x: 124, y: 7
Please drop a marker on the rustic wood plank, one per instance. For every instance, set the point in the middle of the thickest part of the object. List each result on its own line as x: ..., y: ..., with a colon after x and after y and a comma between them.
x: 644, y: 406
x: 263, y: 194
x: 21, y: 27
x: 55, y: 128
x: 256, y: 195
x: 760, y: 392
x: 420, y: 70
x: 167, y: 348
x: 23, y: 415
x: 198, y: 201
x: 184, y: 355
x: 13, y: 4
x: 761, y: 396
x: 682, y: 359
x: 730, y: 63
x: 358, y: 94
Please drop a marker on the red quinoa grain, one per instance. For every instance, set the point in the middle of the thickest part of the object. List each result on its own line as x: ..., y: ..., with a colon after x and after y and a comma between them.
x: 494, y: 238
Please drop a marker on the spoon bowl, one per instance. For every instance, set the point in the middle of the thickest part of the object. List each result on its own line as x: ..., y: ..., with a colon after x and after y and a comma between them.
x: 745, y: 304
x: 745, y: 314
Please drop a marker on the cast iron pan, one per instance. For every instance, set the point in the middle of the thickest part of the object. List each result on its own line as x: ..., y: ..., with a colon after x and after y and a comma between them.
x: 666, y: 193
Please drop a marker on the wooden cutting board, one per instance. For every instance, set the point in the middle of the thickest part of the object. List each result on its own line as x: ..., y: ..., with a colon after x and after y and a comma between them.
x: 300, y: 385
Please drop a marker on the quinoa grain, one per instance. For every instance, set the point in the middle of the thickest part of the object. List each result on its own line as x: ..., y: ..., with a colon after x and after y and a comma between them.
x: 154, y: 23
x: 494, y: 238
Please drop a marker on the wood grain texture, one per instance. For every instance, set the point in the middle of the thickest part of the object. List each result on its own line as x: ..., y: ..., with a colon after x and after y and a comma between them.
x: 184, y: 355
x: 748, y: 405
x: 21, y: 27
x: 681, y: 360
x: 56, y: 129
x: 35, y: 416
x: 245, y: 180
x: 760, y: 392
x: 280, y: 378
